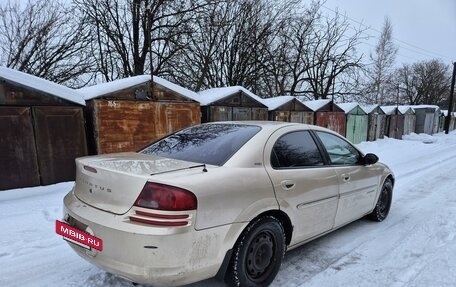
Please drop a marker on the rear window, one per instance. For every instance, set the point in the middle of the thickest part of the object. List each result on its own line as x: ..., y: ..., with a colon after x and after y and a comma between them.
x: 210, y: 143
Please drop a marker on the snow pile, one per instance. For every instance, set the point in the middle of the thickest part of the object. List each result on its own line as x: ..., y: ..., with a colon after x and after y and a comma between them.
x: 425, y: 138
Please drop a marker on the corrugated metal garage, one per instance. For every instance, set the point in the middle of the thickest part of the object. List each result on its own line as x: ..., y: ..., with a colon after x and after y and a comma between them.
x: 425, y: 117
x: 437, y: 120
x: 327, y: 114
x: 409, y: 119
x: 231, y: 104
x: 452, y: 119
x: 394, y: 122
x: 42, y: 128
x: 357, y: 122
x: 288, y: 109
x: 124, y: 116
x: 376, y: 123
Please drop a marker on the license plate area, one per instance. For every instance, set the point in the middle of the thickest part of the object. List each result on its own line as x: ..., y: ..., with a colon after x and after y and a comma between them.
x: 78, y: 236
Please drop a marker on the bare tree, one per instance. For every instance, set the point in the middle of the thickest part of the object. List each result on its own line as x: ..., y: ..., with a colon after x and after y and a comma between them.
x: 270, y: 47
x: 230, y: 43
x: 273, y: 48
x: 287, y: 56
x: 331, y: 55
x: 123, y: 31
x: 42, y: 38
x: 426, y: 82
x: 382, y: 64
x: 404, y: 85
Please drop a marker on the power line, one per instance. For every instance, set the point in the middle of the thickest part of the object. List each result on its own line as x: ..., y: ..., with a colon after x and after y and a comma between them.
x: 368, y: 36
x: 429, y: 53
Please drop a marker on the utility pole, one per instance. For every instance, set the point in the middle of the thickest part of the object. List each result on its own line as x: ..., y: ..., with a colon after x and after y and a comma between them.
x: 450, y: 104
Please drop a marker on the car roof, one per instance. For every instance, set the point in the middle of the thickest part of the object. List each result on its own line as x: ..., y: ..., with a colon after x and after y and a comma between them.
x: 270, y: 126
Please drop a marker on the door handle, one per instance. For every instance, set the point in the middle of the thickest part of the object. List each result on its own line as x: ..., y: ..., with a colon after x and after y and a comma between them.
x: 287, y: 184
x: 346, y: 177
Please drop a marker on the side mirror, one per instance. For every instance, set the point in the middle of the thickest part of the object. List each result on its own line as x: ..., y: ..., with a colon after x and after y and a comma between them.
x: 370, y: 158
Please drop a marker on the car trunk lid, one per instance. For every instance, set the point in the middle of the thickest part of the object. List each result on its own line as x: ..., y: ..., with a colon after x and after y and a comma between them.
x: 113, y: 182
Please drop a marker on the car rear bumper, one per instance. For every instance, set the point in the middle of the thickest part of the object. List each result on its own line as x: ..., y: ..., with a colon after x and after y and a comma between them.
x: 165, y: 256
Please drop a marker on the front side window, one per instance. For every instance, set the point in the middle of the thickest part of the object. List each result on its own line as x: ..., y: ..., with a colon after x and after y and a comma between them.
x: 210, y: 143
x: 340, y: 151
x: 294, y: 150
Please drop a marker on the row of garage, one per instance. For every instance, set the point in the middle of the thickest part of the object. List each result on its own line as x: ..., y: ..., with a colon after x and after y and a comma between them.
x: 45, y: 126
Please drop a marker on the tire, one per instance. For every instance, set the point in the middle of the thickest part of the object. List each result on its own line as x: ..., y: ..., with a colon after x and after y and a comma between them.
x: 383, y: 205
x: 258, y: 254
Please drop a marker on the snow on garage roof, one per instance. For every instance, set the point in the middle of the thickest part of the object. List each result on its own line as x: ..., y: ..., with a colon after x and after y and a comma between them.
x: 102, y: 89
x: 276, y: 102
x: 41, y: 85
x: 445, y: 113
x: 389, y: 110
x: 210, y: 96
x: 369, y: 108
x: 348, y: 107
x: 414, y: 107
x: 315, y: 105
x: 178, y: 89
x: 404, y: 109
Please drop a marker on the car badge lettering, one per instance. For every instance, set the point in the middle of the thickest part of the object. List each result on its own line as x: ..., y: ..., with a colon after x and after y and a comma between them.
x: 93, y: 188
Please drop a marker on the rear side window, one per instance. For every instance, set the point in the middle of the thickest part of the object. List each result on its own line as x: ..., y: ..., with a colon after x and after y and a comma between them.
x: 210, y: 143
x: 294, y: 150
x: 340, y: 151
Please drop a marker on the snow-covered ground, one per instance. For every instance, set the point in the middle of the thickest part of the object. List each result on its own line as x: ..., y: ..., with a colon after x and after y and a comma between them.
x: 414, y: 246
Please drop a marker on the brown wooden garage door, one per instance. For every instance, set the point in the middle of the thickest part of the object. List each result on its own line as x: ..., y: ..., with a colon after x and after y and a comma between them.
x: 60, y: 138
x: 18, y: 161
x: 334, y: 121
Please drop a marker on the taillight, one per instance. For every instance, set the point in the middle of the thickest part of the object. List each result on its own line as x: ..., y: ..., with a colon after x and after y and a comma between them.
x: 166, y: 197
x: 152, y: 219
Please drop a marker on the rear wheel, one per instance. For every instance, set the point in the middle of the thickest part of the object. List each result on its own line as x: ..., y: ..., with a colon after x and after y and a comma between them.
x: 258, y: 254
x: 383, y: 205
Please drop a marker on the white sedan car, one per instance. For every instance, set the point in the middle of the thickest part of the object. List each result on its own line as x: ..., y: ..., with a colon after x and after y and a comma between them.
x: 219, y: 200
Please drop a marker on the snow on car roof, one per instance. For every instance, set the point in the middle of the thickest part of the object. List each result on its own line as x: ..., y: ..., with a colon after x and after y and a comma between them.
x: 99, y: 90
x: 42, y: 85
x: 276, y: 102
x: 210, y: 96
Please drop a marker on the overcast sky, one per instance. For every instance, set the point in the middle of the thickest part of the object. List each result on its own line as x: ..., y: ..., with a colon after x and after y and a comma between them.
x: 429, y: 26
